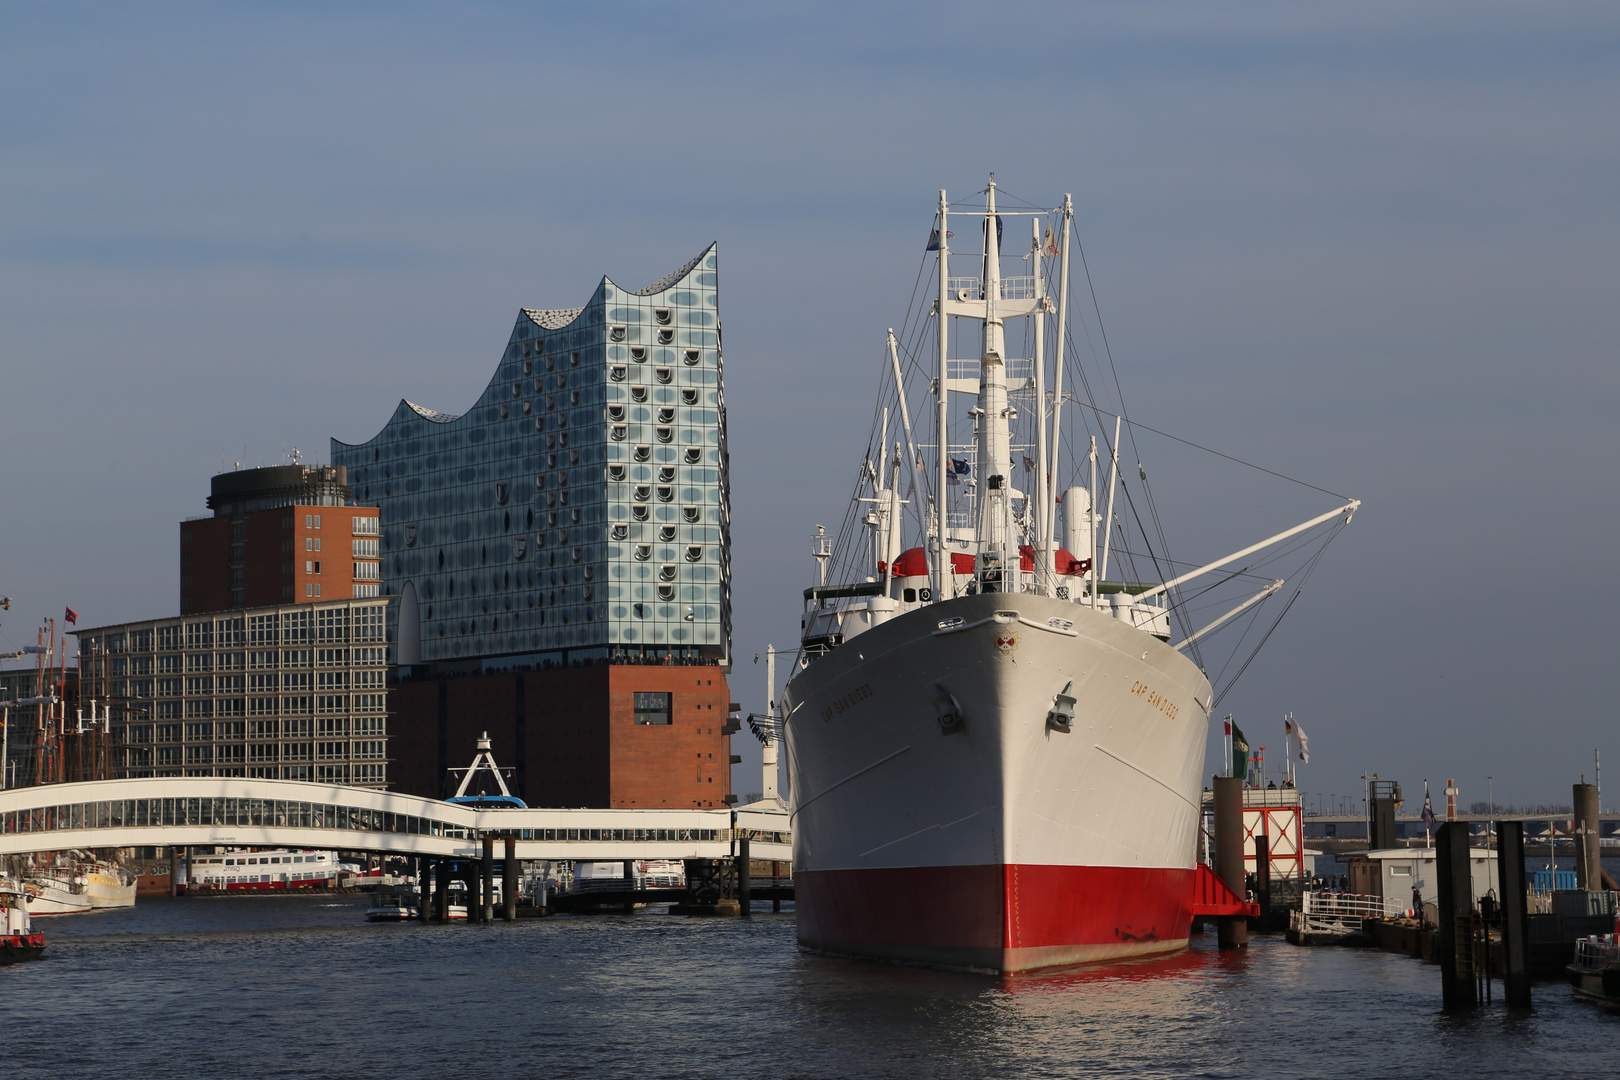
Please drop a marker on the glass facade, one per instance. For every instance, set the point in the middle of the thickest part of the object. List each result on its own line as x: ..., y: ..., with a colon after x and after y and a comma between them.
x: 296, y: 692
x: 580, y: 508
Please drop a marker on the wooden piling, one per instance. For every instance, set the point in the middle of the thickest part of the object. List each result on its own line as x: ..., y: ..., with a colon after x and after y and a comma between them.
x: 509, y: 879
x: 174, y: 869
x: 1228, y: 801
x: 1515, y: 913
x: 486, y: 906
x: 1454, y: 878
x: 424, y: 888
x: 744, y: 882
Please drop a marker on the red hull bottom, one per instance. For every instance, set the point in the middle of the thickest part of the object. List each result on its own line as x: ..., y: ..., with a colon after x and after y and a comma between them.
x: 1006, y: 919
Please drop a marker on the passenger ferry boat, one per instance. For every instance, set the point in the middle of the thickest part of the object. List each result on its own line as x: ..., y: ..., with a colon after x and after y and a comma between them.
x: 395, y: 907
x: 995, y: 749
x: 280, y: 869
x: 18, y: 938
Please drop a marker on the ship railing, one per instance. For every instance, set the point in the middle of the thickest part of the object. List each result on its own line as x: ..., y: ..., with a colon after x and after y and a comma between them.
x: 1596, y: 953
x: 1332, y: 911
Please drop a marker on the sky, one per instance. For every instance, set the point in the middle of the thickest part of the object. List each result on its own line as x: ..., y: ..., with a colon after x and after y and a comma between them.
x: 1372, y: 246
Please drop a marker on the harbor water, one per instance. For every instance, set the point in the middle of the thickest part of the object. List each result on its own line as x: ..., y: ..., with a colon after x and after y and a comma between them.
x: 303, y: 987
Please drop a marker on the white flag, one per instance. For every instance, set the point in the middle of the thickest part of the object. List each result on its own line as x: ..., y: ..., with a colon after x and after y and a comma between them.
x: 1304, y: 744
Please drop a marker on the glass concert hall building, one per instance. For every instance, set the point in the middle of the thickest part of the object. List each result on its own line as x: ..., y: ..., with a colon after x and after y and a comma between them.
x: 561, y: 554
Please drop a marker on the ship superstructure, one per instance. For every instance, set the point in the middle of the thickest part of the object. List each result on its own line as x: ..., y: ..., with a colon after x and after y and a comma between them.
x: 995, y: 750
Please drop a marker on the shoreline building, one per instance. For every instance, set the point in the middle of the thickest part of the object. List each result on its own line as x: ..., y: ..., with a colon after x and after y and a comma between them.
x: 575, y: 517
x: 289, y: 692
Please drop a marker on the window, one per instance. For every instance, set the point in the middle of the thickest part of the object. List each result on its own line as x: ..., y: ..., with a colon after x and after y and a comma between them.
x: 652, y: 707
x: 692, y: 357
x: 663, y: 374
x: 662, y: 315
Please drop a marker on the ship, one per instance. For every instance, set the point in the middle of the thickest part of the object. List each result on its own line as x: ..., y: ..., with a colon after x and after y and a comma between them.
x: 995, y: 752
x: 279, y: 869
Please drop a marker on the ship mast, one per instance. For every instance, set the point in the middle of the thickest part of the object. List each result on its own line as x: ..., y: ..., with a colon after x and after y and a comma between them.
x: 994, y: 469
x: 942, y: 565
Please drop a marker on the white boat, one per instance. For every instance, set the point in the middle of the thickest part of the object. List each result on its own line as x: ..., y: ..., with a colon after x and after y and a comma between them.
x: 394, y: 907
x: 648, y: 874
x: 234, y: 871
x: 995, y: 755
x: 55, y: 890
x: 18, y: 938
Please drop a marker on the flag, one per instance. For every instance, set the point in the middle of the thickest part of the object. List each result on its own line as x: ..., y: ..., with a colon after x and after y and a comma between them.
x: 72, y: 616
x: 1304, y: 744
x: 1288, y: 725
x: 1227, y: 723
x: 1049, y: 242
x: 933, y: 239
x: 1240, y: 754
x: 959, y: 468
x: 1428, y: 808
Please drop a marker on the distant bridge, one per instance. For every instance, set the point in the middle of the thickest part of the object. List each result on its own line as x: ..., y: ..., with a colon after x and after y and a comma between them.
x: 221, y: 811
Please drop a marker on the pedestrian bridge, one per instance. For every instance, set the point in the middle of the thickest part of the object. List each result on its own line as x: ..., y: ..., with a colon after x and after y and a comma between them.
x: 208, y: 811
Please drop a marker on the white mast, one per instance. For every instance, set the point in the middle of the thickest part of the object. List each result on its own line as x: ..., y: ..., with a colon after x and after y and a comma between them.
x: 995, y: 444
x: 1039, y: 503
x: 768, y: 749
x: 1108, y: 519
x: 941, y: 434
x: 1050, y: 494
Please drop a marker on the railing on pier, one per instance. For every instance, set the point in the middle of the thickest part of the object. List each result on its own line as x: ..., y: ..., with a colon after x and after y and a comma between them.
x: 1340, y: 913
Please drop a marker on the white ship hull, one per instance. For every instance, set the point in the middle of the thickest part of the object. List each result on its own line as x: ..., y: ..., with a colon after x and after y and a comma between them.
x: 1007, y: 845
x: 55, y: 893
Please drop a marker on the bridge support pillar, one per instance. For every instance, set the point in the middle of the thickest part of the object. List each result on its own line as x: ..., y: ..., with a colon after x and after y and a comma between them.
x: 473, y: 875
x: 1233, y: 930
x: 745, y: 885
x: 441, y: 890
x: 174, y: 871
x: 487, y: 872
x: 424, y: 888
x: 1515, y: 919
x: 776, y: 883
x: 509, y: 879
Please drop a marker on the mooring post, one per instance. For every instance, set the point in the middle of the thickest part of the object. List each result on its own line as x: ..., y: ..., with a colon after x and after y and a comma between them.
x: 1262, y: 869
x: 487, y: 889
x: 776, y: 883
x: 509, y: 879
x: 441, y: 890
x: 745, y: 884
x: 473, y: 877
x: 174, y: 871
x: 424, y: 887
x: 1588, y: 852
x: 1515, y: 913
x: 1454, y: 878
x: 1233, y: 930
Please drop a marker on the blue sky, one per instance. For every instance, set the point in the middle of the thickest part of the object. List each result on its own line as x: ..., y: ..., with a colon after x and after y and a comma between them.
x: 1372, y: 245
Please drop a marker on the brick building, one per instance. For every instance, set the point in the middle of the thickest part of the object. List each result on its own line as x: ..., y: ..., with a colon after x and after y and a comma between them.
x: 286, y: 534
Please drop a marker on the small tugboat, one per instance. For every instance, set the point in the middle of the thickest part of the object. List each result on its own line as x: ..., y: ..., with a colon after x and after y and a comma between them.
x: 1595, y: 973
x: 18, y: 941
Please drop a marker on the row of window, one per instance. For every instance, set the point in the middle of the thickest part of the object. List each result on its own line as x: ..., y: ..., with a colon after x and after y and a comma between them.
x: 235, y: 753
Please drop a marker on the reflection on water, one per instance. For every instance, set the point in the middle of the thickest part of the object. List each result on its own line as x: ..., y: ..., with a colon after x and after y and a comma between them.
x: 302, y: 986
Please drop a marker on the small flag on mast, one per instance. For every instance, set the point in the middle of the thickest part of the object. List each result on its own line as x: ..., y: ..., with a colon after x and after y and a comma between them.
x: 1304, y: 743
x: 1428, y: 809
x: 1049, y: 242
x: 72, y: 616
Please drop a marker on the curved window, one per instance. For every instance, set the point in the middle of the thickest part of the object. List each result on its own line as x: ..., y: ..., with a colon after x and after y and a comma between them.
x: 692, y: 357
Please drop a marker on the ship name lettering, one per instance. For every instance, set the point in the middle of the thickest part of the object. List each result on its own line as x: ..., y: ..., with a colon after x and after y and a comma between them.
x: 1155, y: 699
x: 848, y: 701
